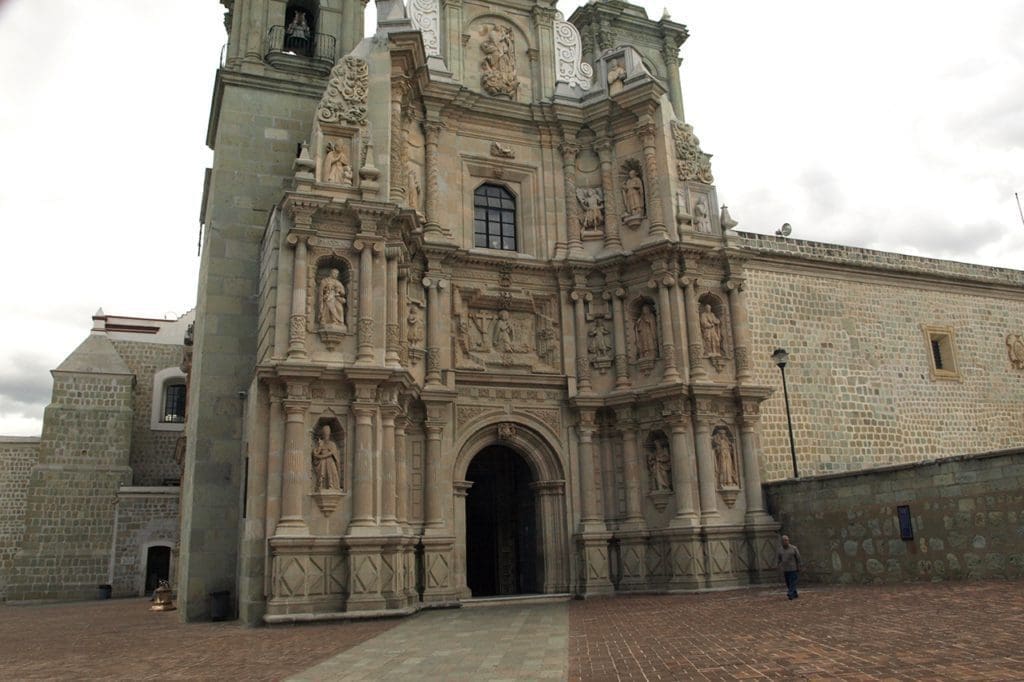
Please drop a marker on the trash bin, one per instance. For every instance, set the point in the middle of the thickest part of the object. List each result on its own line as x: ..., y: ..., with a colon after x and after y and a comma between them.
x: 220, y: 605
x: 104, y: 591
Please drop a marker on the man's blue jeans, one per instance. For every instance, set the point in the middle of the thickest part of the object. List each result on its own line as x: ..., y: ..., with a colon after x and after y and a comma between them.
x: 791, y: 577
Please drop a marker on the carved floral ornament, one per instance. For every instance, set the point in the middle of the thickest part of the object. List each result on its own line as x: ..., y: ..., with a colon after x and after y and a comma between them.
x: 344, y: 101
x: 691, y: 162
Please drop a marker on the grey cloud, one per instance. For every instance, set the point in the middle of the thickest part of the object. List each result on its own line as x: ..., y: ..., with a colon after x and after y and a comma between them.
x: 825, y: 197
x: 25, y: 384
x: 941, y: 238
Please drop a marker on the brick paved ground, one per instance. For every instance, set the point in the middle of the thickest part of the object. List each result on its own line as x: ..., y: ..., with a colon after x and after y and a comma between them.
x: 968, y: 631
x: 122, y: 639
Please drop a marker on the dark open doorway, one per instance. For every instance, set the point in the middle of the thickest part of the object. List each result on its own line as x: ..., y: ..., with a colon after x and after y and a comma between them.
x: 501, y: 525
x: 158, y: 566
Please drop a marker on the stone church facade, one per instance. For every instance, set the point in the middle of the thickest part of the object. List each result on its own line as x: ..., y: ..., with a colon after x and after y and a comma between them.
x: 472, y: 322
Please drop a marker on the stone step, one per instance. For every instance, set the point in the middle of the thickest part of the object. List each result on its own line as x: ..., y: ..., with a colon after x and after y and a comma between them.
x: 515, y: 599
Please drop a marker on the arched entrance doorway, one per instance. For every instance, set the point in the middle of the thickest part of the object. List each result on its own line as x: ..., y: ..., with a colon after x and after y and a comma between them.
x: 501, y: 525
x: 158, y: 566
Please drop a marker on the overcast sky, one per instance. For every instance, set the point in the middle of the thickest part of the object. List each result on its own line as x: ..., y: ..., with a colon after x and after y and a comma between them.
x: 890, y: 125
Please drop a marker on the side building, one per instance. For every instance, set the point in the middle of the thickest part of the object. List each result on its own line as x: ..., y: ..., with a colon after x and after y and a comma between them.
x: 94, y: 500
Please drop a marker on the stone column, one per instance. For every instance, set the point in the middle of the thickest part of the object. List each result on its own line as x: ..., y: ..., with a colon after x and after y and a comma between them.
x: 397, y: 167
x: 366, y: 249
x: 434, y: 330
x: 432, y: 513
x: 663, y: 284
x: 432, y: 228
x: 391, y: 331
x: 612, y: 241
x: 388, y: 466
x: 590, y: 515
x: 751, y: 471
x: 362, y: 468
x: 631, y: 474
x: 646, y: 132
x: 706, y: 471
x: 403, y: 310
x: 275, y: 464
x: 670, y: 53
x: 740, y: 328
x: 296, y: 463
x: 461, y: 493
x: 572, y: 212
x: 579, y: 299
x: 679, y: 329
x: 606, y: 450
x: 682, y: 475
x: 297, y: 321
x: 402, y: 486
x: 697, y: 370
x: 621, y: 364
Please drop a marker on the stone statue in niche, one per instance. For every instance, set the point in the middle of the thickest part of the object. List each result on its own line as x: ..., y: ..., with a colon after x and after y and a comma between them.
x: 414, y: 327
x: 646, y: 330
x: 498, y: 69
x: 1015, y: 349
x: 592, y: 201
x: 701, y: 215
x: 331, y: 299
x: 633, y: 193
x: 600, y: 348
x: 297, y: 31
x: 711, y: 331
x: 616, y: 76
x: 659, y: 466
x: 338, y: 170
x: 326, y: 461
x: 725, y: 458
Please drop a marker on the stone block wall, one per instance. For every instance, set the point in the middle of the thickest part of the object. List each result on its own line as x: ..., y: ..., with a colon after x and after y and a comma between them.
x: 967, y: 515
x: 152, y: 454
x: 17, y: 457
x: 859, y: 373
x: 146, y: 516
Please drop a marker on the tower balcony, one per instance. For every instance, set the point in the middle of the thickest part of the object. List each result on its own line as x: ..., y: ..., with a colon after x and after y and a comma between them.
x: 312, y: 55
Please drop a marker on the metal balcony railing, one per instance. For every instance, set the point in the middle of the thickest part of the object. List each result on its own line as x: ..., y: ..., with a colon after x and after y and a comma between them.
x: 318, y: 47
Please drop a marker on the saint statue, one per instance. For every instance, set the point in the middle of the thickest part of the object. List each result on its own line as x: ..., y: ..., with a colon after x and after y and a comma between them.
x: 633, y: 194
x: 297, y: 30
x: 659, y: 464
x: 592, y: 201
x: 498, y: 69
x: 701, y: 217
x: 412, y: 187
x: 646, y: 332
x: 725, y: 455
x: 599, y: 346
x: 326, y: 461
x: 616, y: 76
x: 414, y: 327
x: 504, y: 335
x: 711, y: 331
x: 336, y: 162
x: 332, y: 300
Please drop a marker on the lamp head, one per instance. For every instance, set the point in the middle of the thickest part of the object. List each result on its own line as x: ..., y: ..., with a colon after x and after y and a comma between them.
x: 780, y: 357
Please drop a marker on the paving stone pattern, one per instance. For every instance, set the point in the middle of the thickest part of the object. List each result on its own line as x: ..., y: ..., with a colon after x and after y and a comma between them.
x: 928, y: 631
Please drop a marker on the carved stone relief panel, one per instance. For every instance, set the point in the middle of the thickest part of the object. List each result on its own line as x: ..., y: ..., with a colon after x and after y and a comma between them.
x: 499, y: 75
x: 691, y: 162
x: 344, y: 100
x: 501, y: 329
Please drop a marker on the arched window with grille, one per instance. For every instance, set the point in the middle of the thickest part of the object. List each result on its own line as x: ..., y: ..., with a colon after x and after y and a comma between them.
x: 494, y: 218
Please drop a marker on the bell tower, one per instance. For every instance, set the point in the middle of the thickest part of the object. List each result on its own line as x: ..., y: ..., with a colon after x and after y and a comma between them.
x: 272, y: 74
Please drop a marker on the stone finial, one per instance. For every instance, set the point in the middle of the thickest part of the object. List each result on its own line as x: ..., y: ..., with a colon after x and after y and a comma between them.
x: 726, y: 220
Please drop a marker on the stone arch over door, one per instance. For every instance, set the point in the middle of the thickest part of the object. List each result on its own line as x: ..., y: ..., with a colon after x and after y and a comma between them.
x: 548, y: 487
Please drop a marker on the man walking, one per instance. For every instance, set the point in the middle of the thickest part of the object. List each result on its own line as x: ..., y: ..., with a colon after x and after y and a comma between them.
x: 789, y: 564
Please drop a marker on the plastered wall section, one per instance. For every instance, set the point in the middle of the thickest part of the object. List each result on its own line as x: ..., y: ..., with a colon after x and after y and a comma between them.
x: 258, y: 128
x: 152, y: 453
x: 967, y: 520
x: 860, y: 388
x: 17, y: 457
x: 143, y: 520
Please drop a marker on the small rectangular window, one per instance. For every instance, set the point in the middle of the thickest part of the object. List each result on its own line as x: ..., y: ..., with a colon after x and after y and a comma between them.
x: 174, y: 404
x: 941, y: 353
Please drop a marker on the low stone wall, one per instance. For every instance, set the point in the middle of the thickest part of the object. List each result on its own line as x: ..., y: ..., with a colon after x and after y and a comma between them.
x: 17, y: 457
x: 967, y: 514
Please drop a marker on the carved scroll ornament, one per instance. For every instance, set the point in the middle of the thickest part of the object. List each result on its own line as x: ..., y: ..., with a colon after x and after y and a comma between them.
x: 344, y: 101
x: 425, y: 16
x: 691, y: 162
x: 570, y: 68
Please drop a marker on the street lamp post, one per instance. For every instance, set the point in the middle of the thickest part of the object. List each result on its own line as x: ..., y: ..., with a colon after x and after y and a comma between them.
x: 781, y: 357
